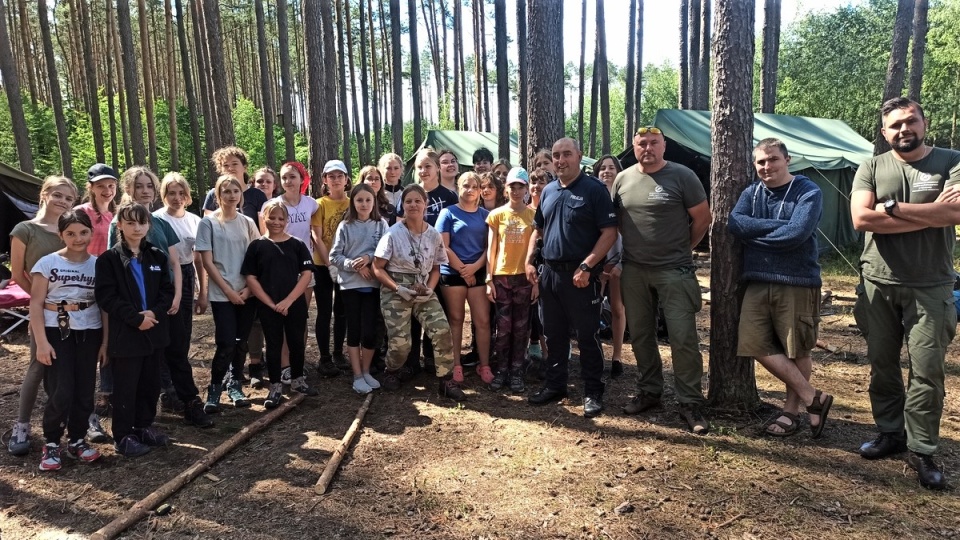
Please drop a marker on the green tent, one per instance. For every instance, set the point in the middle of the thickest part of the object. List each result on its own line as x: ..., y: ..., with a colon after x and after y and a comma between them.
x: 464, y: 144
x: 827, y: 151
x: 20, y: 200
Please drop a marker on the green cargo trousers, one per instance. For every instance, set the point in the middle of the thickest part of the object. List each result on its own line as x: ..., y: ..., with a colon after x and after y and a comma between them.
x: 926, y: 316
x: 397, y: 314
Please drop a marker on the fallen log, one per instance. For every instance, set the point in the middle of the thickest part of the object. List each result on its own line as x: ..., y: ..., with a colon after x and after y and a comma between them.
x: 140, y: 510
x: 826, y: 346
x: 327, y: 476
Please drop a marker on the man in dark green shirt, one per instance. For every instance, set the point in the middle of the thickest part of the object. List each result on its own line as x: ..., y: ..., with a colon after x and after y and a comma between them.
x: 908, y: 202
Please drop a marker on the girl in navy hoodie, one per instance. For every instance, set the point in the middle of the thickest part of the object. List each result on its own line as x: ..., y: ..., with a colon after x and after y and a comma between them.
x: 134, y: 289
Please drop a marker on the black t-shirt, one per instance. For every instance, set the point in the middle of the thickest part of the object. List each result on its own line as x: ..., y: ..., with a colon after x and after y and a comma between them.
x: 277, y: 265
x: 437, y: 199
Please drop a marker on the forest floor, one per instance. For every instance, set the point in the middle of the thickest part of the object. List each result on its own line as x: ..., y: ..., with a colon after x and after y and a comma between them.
x: 495, y: 467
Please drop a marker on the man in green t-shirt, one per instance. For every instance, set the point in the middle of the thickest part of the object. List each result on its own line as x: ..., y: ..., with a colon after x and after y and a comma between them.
x: 908, y: 202
x: 662, y: 211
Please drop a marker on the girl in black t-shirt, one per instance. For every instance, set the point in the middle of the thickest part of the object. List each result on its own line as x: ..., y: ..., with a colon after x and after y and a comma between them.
x: 278, y: 268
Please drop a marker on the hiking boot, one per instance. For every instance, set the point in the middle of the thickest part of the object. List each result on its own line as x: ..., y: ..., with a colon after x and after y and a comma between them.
x: 360, y: 386
x: 470, y: 359
x: 641, y: 402
x: 102, y: 405
x: 516, y: 384
x: 236, y: 395
x: 300, y: 386
x: 274, y: 397
x: 886, y: 444
x: 341, y: 361
x: 212, y: 404
x: 81, y: 451
x: 169, y: 402
x: 391, y: 380
x: 694, y: 418
x: 95, y: 431
x: 451, y: 389
x: 327, y: 369
x: 51, y: 457
x: 193, y: 414
x: 19, y: 444
x: 152, y: 436
x: 130, y: 446
x: 256, y: 376
x: 929, y: 474
x: 373, y: 383
x: 498, y: 380
x: 286, y: 376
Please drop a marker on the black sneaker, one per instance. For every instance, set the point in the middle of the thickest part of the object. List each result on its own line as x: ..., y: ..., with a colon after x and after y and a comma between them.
x: 152, y: 436
x: 327, y: 369
x: 130, y: 446
x: 516, y: 384
x: 341, y: 361
x: 193, y: 415
x: 886, y: 444
x: 169, y: 402
x: 275, y: 397
x: 451, y: 389
x: 390, y: 380
x: 499, y: 380
x: 929, y: 474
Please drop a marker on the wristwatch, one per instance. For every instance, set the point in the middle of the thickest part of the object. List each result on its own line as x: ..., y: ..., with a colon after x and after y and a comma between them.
x: 890, y: 206
x: 585, y: 268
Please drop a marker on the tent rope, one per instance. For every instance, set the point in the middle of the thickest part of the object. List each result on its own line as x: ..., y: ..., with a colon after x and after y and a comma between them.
x: 835, y: 248
x: 842, y: 194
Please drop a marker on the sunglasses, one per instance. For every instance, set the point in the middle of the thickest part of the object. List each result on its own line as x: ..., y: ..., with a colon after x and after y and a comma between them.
x: 648, y: 129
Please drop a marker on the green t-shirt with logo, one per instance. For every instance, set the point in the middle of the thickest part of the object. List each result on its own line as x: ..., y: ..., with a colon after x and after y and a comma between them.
x: 652, y: 210
x: 921, y: 258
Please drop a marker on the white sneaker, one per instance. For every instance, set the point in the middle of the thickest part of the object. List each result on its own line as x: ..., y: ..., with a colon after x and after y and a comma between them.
x: 285, y: 377
x: 95, y: 432
x: 373, y: 383
x: 360, y: 386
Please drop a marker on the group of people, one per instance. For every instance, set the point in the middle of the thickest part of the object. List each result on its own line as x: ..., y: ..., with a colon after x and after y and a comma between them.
x: 533, y: 254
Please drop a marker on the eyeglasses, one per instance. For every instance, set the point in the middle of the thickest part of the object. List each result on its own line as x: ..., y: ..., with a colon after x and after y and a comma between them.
x: 649, y: 129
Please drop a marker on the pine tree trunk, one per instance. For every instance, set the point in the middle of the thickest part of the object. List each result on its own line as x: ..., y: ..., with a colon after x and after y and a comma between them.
x: 148, y: 100
x: 477, y: 66
x: 396, y: 102
x: 286, y: 101
x: 503, y: 88
x: 458, y: 28
x: 638, y: 80
x: 601, y: 67
x: 693, y: 57
x: 430, y: 16
x: 217, y: 68
x: 684, y: 87
x: 192, y: 107
x: 444, y: 15
x: 266, y: 93
x: 545, y: 46
x: 702, y: 98
x: 56, y: 98
x: 594, y: 95
x: 732, y: 382
x: 92, y: 92
x: 415, y: 82
x: 483, y: 63
x: 122, y: 110
x: 583, y: 69
x: 342, y: 87
x: 770, y: 56
x: 631, y: 76
x: 897, y: 66
x: 375, y: 83
x: 27, y: 47
x: 365, y: 87
x: 363, y: 151
x: 210, y: 132
x: 526, y: 148
x: 11, y: 85
x: 313, y: 47
x: 920, y: 28
x: 111, y: 107
x: 329, y: 71
x: 171, y: 87
x: 457, y: 46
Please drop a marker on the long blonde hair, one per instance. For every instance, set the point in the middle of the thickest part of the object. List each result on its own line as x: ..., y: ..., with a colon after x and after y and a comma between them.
x: 175, y: 178
x: 222, y: 181
x: 51, y: 183
x: 129, y: 178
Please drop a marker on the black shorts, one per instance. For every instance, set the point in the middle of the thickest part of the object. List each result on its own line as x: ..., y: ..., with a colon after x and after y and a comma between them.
x: 457, y: 281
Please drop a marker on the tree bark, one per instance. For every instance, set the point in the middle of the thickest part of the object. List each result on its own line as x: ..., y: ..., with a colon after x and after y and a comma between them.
x: 329, y: 73
x: 313, y: 47
x: 171, y: 88
x: 396, y: 103
x: 601, y: 67
x: 111, y: 107
x: 148, y: 101
x: 897, y: 65
x: 482, y: 62
x: 11, y: 85
x: 693, y: 57
x: 375, y: 83
x: 27, y: 47
x: 638, y: 82
x: 523, y: 97
x: 920, y: 28
x: 545, y: 46
x: 684, y: 87
x: 286, y: 102
x: 56, y: 99
x: 629, y: 117
x: 702, y: 99
x: 192, y: 107
x: 218, y: 74
x: 210, y: 131
x: 342, y: 86
x: 583, y: 71
x: 462, y: 72
x: 415, y: 82
x: 458, y: 92
x: 91, y: 87
x: 430, y: 16
x: 770, y: 56
x: 594, y: 96
x: 364, y: 86
x: 266, y: 92
x: 732, y: 382
x: 503, y: 88
x: 363, y: 151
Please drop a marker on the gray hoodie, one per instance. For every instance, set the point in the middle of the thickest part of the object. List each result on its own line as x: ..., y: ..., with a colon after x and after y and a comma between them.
x: 355, y: 239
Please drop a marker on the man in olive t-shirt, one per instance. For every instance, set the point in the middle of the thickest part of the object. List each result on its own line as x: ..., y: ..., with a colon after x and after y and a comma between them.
x: 908, y: 202
x: 662, y: 211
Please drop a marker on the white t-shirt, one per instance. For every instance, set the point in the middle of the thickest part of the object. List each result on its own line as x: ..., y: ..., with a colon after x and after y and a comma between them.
x: 298, y: 224
x: 228, y: 242
x: 186, y: 229
x: 71, y: 282
x: 408, y: 253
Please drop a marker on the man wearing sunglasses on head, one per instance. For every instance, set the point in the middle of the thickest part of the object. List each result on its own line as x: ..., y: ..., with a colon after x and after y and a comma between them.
x: 662, y: 211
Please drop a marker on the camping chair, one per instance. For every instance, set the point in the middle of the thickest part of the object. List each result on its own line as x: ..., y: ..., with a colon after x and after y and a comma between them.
x: 13, y: 300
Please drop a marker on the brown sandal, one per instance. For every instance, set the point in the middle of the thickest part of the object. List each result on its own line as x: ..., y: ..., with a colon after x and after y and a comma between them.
x: 788, y: 429
x: 821, y: 410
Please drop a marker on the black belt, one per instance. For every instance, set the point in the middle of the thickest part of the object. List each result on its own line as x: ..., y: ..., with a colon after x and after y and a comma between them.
x: 562, y: 266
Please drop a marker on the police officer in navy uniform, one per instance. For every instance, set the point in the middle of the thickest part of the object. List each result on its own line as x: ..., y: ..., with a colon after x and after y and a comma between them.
x: 578, y: 226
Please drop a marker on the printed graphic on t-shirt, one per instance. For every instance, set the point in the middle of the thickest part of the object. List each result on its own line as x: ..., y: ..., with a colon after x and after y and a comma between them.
x: 71, y: 278
x: 659, y: 194
x: 926, y: 182
x: 514, y: 232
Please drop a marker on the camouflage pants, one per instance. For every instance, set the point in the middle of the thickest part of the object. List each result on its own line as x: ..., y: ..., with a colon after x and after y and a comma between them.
x: 397, y: 314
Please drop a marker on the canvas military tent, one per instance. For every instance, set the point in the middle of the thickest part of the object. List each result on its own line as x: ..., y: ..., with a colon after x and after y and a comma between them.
x: 827, y: 151
x: 464, y: 144
x: 20, y: 200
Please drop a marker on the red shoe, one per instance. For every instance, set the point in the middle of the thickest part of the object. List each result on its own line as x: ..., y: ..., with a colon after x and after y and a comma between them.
x: 458, y: 374
x: 486, y: 375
